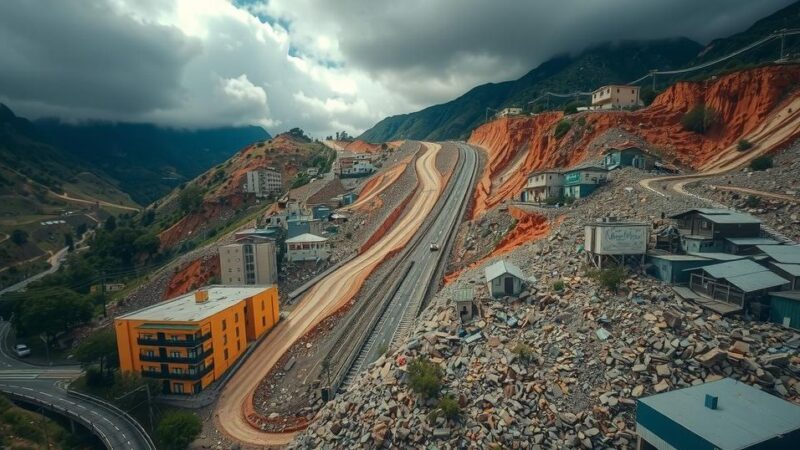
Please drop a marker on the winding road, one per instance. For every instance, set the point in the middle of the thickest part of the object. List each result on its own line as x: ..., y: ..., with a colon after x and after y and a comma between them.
x: 325, y: 298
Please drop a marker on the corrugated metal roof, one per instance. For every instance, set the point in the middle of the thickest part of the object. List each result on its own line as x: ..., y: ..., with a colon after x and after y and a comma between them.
x: 306, y: 237
x: 791, y: 295
x: 752, y: 241
x: 719, y: 215
x: 753, y: 282
x: 745, y: 417
x: 464, y: 295
x: 719, y: 256
x: 791, y: 269
x: 787, y: 254
x: 680, y: 257
x: 734, y: 268
x: 500, y: 267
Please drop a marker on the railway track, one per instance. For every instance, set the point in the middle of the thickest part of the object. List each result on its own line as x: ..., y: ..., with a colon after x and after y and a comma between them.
x: 357, y: 339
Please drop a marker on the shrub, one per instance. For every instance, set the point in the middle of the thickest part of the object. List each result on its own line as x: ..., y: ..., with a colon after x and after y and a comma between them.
x: 752, y: 201
x: 744, y: 145
x: 523, y: 351
x: 582, y: 121
x: 558, y: 285
x: 761, y: 163
x: 609, y: 278
x: 562, y: 128
x: 648, y: 95
x: 449, y: 407
x: 571, y: 108
x: 699, y: 119
x: 178, y: 429
x: 425, y: 377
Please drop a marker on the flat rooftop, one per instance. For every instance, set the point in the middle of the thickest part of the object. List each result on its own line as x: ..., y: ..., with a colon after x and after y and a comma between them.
x: 185, y: 309
x: 745, y: 416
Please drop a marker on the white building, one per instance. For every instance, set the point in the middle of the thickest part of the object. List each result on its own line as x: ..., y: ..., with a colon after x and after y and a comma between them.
x: 307, y: 247
x: 505, y: 112
x: 616, y: 96
x: 264, y: 182
x: 543, y: 185
x: 354, y: 164
x: 253, y: 262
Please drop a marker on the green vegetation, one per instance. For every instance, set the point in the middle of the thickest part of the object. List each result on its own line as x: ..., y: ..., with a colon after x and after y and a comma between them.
x: 744, y: 145
x: 19, y: 237
x: 761, y: 163
x: 699, y: 119
x: 647, y: 95
x: 752, y: 201
x: 28, y: 430
x: 425, y: 377
x: 50, y: 312
x: 523, y: 351
x: 190, y: 198
x: 572, y: 107
x: 99, y: 349
x: 177, y: 429
x: 449, y: 408
x: 562, y: 128
x: 610, y: 278
x: 558, y: 285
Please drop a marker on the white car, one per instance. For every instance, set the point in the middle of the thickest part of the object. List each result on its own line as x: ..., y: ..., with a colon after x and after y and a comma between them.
x: 22, y: 350
x: 434, y: 247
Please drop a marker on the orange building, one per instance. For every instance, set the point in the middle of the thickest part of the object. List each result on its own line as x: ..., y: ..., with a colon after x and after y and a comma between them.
x: 188, y: 342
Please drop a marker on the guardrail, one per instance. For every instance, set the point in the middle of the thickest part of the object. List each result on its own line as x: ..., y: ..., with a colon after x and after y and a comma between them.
x: 125, y: 416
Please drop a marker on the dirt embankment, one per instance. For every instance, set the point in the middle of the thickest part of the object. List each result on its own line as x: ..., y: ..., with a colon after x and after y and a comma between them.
x: 195, y: 274
x: 359, y: 146
x: 743, y: 101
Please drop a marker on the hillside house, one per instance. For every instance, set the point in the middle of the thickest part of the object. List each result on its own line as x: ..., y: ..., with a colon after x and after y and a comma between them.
x: 705, y: 229
x: 543, y: 185
x: 584, y: 179
x: 351, y: 165
x: 739, y: 285
x: 307, y: 247
x: 616, y: 96
x: 746, y: 245
x: 505, y: 112
x: 719, y: 415
x: 673, y: 268
x: 785, y: 261
x: 504, y: 279
x: 296, y: 227
x: 615, y: 158
x: 784, y: 308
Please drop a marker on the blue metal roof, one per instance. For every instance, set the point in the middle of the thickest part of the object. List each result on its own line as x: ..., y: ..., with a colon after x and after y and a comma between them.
x: 787, y: 254
x: 734, y: 268
x: 745, y: 416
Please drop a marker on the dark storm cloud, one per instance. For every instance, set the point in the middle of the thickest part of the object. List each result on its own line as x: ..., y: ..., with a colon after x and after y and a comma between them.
x: 82, y: 55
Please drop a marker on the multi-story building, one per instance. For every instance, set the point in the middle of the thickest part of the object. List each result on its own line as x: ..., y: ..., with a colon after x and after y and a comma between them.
x: 264, y: 182
x: 354, y: 164
x: 543, y: 185
x: 188, y: 342
x: 615, y: 96
x: 252, y: 261
x: 582, y: 180
x: 307, y: 247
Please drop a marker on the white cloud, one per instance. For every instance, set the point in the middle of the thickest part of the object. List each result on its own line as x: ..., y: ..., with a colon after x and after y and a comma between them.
x: 315, y: 64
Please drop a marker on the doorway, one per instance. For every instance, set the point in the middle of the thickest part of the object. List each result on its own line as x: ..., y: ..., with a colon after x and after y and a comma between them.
x: 509, y: 285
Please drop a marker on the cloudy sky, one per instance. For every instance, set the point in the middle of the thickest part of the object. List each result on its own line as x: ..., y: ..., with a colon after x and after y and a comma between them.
x: 319, y: 64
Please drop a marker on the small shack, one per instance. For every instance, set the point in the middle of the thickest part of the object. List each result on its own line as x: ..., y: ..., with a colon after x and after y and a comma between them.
x: 705, y: 229
x: 616, y: 242
x: 739, y: 284
x: 464, y: 300
x: 719, y: 415
x: 672, y: 268
x: 504, y: 279
x: 785, y: 261
x: 746, y: 245
x: 628, y: 157
x: 784, y: 308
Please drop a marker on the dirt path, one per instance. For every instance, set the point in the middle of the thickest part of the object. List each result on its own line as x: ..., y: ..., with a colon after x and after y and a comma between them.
x: 787, y: 198
x: 329, y: 295
x: 66, y: 197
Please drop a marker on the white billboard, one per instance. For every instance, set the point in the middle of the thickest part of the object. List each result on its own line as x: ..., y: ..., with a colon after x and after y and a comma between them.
x: 617, y: 239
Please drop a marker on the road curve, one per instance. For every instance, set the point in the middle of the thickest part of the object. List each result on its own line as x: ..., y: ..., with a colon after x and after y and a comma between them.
x: 325, y: 298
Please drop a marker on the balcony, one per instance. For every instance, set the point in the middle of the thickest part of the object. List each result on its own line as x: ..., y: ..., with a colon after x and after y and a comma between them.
x: 198, y: 374
x: 198, y: 358
x: 156, y: 342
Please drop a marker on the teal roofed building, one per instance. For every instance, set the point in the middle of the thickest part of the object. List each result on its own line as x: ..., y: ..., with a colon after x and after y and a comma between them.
x: 784, y: 308
x: 720, y: 415
x: 584, y: 179
x: 615, y: 158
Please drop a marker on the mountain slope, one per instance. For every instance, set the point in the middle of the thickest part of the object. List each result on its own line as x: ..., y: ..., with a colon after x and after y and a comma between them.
x: 603, y: 64
x: 592, y: 68
x: 146, y: 160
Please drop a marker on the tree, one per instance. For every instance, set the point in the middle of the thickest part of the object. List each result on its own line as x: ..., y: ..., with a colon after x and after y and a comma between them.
x: 178, y: 429
x: 69, y: 241
x: 761, y: 163
x: 52, y: 311
x: 648, y: 95
x: 562, y: 128
x: 190, y: 198
x: 744, y: 145
x: 425, y: 377
x: 110, y: 224
x: 699, y: 119
x: 147, y: 243
x: 81, y: 229
x: 99, y: 348
x: 19, y: 237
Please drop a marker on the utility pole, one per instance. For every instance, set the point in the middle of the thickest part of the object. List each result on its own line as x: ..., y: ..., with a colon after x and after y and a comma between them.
x: 783, y: 39
x: 103, y: 292
x: 653, y: 76
x: 146, y: 389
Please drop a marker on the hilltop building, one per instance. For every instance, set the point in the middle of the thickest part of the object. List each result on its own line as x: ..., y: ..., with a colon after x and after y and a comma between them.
x: 188, y: 342
x: 264, y: 182
x: 616, y: 96
x: 249, y: 262
x: 505, y: 112
x: 584, y: 179
x: 351, y: 165
x: 615, y: 158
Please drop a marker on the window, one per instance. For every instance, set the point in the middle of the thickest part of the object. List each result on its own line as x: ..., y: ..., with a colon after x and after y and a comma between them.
x: 236, y: 317
x: 177, y: 370
x: 225, y: 339
x: 225, y: 353
x: 177, y: 388
x: 238, y: 346
x: 224, y: 325
x: 263, y: 321
x: 175, y: 354
x: 237, y: 332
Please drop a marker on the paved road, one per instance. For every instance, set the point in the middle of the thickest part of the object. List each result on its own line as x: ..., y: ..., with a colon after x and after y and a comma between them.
x: 404, y: 306
x: 46, y: 387
x: 55, y: 262
x: 328, y: 296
